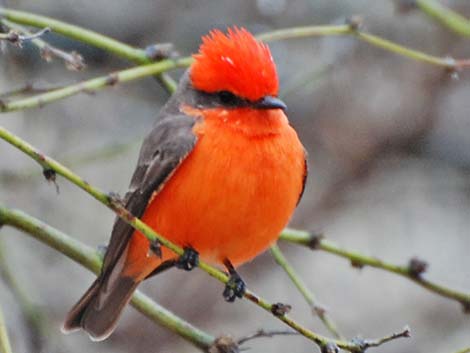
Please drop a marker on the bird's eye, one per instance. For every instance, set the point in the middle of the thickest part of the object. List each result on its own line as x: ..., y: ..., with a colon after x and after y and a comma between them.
x: 227, y: 98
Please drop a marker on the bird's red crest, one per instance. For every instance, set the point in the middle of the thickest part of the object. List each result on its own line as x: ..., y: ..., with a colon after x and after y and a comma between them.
x: 234, y: 62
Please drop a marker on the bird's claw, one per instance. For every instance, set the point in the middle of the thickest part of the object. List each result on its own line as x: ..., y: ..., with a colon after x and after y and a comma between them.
x: 189, y: 260
x: 156, y: 248
x: 234, y: 288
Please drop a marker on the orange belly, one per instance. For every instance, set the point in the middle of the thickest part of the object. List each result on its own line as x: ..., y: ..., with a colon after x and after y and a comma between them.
x: 232, y: 195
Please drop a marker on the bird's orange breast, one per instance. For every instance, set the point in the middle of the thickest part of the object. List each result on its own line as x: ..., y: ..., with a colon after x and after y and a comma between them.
x: 233, y: 194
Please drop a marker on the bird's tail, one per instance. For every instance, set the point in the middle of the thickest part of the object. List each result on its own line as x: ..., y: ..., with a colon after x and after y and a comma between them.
x: 99, y: 309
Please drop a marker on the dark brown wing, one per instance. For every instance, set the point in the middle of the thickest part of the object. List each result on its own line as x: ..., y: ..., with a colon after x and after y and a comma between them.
x: 163, y: 150
x: 304, y: 177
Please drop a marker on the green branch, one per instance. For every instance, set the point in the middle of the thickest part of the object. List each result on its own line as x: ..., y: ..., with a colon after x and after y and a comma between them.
x: 448, y: 18
x: 140, y: 56
x: 89, y: 258
x: 52, y: 167
x: 87, y: 36
x: 5, y: 346
x: 354, y: 30
x: 360, y: 260
x: 73, y: 60
x: 35, y: 318
x: 303, y: 289
x: 93, y: 85
x: 78, y: 33
x: 464, y: 350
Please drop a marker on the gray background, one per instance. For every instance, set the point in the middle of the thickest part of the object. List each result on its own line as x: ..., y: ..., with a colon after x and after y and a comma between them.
x: 388, y: 141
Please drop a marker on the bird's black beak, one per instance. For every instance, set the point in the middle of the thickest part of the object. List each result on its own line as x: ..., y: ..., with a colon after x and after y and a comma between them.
x: 270, y: 102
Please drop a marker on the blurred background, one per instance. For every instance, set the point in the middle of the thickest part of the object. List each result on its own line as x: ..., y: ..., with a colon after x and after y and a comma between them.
x: 389, y: 152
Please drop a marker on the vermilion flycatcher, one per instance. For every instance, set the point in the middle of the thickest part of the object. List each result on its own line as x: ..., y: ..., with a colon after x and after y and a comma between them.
x: 219, y: 174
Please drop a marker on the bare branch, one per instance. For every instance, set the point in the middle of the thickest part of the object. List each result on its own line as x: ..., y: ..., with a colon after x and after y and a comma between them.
x: 365, y: 344
x: 17, y: 38
x: 266, y: 333
x: 413, y: 271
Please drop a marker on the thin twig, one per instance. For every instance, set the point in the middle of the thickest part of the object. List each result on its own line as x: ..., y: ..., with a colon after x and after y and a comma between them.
x: 17, y: 38
x: 464, y: 350
x: 265, y: 333
x: 91, y: 259
x: 353, y: 29
x: 316, y: 308
x: 35, y: 318
x: 73, y: 60
x: 445, y: 16
x: 5, y: 346
x: 116, y: 206
x: 365, y: 344
x: 360, y: 260
x: 28, y: 89
x: 141, y: 56
x: 136, y: 55
x: 93, y: 85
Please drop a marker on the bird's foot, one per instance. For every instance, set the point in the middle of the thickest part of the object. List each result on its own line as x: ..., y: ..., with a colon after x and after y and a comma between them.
x: 189, y: 260
x: 235, y: 287
x: 155, y: 248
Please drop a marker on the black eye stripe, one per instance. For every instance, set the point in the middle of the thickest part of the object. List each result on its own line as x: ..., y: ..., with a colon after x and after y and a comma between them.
x: 229, y: 99
x: 224, y: 99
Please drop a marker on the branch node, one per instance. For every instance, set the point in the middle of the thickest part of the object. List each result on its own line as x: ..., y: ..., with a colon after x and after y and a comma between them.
x: 161, y: 51
x: 416, y: 267
x: 355, y: 23
x: 405, y: 6
x: 16, y: 38
x: 224, y: 344
x: 315, y: 240
x: 363, y: 345
x: 101, y: 250
x: 156, y: 248
x: 77, y: 63
x: 357, y: 264
x: 466, y: 307
x: 330, y: 347
x: 112, y: 79
x: 319, y: 310
x: 51, y: 177
x: 280, y: 309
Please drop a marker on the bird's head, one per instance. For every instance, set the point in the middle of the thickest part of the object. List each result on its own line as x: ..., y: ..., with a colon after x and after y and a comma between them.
x: 235, y: 69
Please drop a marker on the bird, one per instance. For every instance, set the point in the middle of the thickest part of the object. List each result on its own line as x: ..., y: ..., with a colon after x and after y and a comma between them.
x: 220, y: 174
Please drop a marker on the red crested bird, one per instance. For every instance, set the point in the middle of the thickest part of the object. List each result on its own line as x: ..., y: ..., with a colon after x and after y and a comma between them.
x: 219, y: 174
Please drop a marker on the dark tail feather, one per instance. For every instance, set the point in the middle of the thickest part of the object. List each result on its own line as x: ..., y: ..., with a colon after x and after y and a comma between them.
x: 98, y: 311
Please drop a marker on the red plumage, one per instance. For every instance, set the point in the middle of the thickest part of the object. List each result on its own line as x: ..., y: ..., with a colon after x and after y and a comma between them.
x: 234, y: 62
